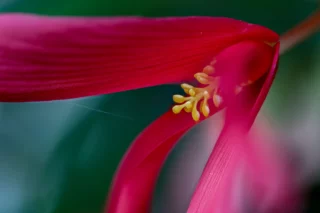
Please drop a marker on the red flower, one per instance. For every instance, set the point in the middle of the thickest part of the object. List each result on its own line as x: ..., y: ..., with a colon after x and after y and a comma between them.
x: 50, y: 58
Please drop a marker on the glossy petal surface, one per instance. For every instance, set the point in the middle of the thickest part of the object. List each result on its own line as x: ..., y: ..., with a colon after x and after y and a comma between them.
x: 49, y: 58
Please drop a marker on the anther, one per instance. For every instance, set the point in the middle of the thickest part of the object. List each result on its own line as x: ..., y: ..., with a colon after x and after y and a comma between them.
x: 204, y: 105
x: 195, y: 113
x: 217, y: 100
x: 186, y: 86
x: 202, y: 94
x: 188, y: 105
x: 197, y: 95
x: 177, y: 109
x: 179, y: 99
x: 192, y: 92
x: 208, y: 69
x: 205, y: 110
x: 201, y: 75
x: 203, y: 80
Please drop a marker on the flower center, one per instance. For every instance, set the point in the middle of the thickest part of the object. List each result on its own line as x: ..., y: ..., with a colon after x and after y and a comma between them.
x: 196, y: 95
x: 234, y: 68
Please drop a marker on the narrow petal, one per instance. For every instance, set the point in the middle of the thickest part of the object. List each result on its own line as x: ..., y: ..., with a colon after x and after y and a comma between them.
x: 213, y: 184
x: 135, y: 180
x: 265, y: 87
x: 49, y: 58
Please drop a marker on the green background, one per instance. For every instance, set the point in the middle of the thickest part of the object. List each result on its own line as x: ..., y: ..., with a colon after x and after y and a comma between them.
x: 60, y: 156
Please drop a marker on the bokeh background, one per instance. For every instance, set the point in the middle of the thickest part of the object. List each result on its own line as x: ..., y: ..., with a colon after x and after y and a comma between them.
x: 60, y: 156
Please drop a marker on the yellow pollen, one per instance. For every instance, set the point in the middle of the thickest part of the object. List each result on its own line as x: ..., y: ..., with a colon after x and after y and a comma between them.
x: 202, y: 94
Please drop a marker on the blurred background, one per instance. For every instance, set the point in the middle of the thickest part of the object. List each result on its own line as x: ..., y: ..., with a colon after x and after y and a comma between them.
x: 60, y: 156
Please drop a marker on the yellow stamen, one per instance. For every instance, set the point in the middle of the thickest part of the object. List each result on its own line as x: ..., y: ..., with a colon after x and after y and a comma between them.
x: 196, y: 95
x: 179, y: 99
x: 195, y: 113
x: 187, y: 110
x: 186, y: 86
x: 204, y: 105
x: 201, y: 94
x: 192, y: 92
x: 177, y: 109
x: 188, y: 105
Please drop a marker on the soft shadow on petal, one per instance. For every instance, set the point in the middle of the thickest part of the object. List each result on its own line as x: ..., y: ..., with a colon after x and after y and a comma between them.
x: 48, y: 58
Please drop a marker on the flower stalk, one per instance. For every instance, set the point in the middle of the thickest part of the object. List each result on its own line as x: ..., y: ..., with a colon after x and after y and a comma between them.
x: 300, y: 32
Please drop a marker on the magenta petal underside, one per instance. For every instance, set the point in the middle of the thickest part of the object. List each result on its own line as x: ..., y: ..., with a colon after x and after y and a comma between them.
x: 50, y: 58
x: 133, y: 186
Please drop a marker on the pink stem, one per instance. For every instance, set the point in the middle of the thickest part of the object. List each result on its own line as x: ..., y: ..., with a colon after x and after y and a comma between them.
x: 300, y: 32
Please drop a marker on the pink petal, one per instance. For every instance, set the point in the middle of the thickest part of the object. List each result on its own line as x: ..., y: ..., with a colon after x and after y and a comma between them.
x: 134, y: 182
x: 270, y: 179
x: 213, y: 185
x: 48, y: 58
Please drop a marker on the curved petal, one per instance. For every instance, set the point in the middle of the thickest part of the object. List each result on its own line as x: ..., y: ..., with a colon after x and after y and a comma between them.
x: 265, y: 87
x: 135, y: 180
x: 48, y: 58
x: 214, y: 182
